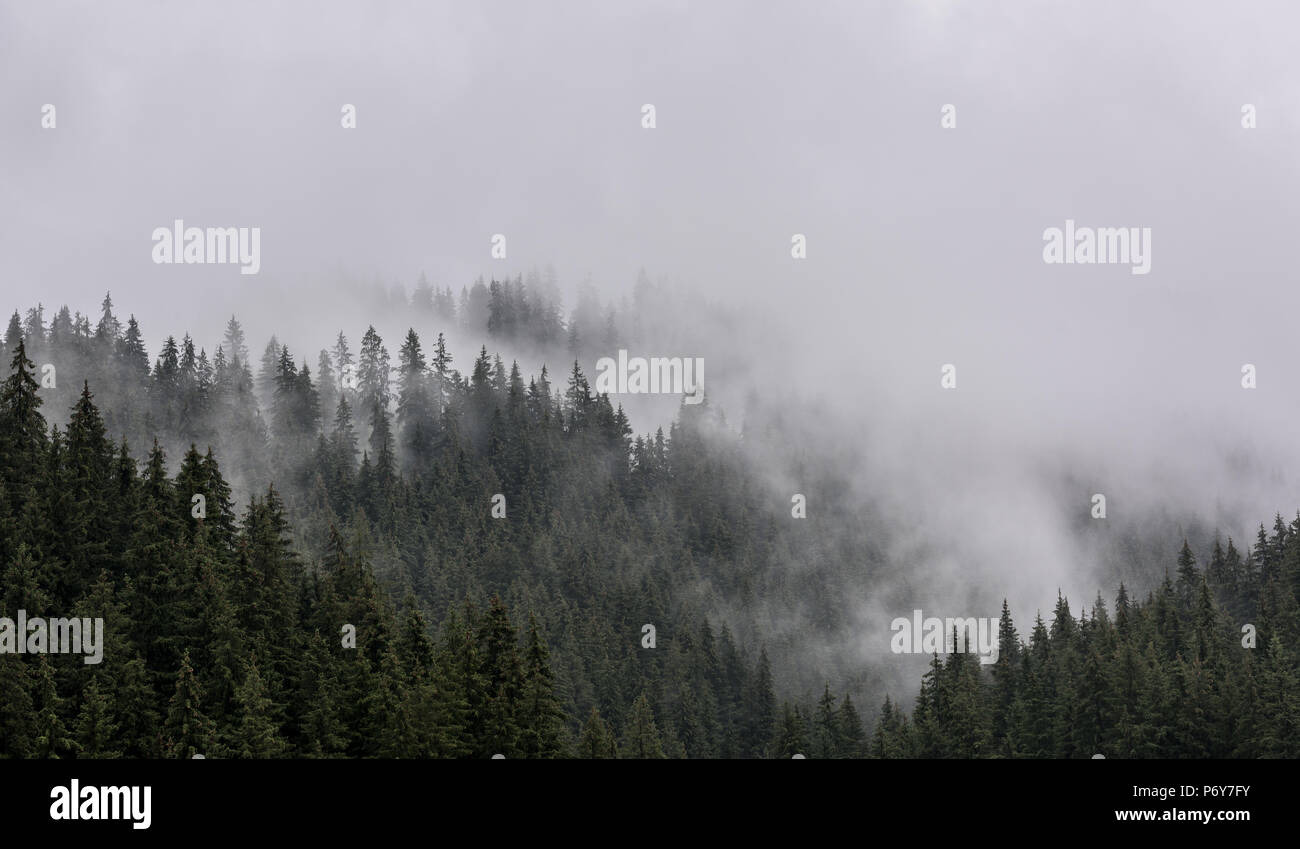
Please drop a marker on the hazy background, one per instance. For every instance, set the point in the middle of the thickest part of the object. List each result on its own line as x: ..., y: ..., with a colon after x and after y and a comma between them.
x: 924, y: 244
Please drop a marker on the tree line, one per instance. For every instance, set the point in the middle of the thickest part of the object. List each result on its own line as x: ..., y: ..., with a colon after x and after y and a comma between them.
x: 368, y: 490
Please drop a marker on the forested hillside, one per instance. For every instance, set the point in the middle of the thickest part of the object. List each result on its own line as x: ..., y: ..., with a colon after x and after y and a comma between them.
x: 230, y: 622
x: 1174, y: 676
x: 499, y: 543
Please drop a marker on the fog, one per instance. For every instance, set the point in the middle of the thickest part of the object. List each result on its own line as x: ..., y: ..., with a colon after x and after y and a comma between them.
x: 924, y: 243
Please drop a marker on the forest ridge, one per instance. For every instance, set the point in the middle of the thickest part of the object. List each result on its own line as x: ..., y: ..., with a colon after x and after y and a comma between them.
x: 478, y: 636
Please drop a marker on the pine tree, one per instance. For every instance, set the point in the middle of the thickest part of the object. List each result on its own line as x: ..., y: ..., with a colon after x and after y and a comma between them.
x: 14, y: 333
x: 373, y: 372
x: 827, y: 743
x: 51, y: 737
x: 540, y: 716
x: 132, y: 354
x: 792, y: 734
x: 23, y: 435
x: 109, y: 328
x: 1005, y: 679
x: 17, y: 718
x: 187, y: 731
x: 759, y: 706
x: 96, y: 732
x: 502, y: 673
x: 256, y: 734
x: 1189, y: 578
x: 441, y: 370
x: 597, y: 740
x: 641, y: 737
x: 852, y: 734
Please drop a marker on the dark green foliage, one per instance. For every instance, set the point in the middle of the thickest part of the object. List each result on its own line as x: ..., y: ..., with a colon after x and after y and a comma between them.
x: 1171, y: 677
x: 224, y: 628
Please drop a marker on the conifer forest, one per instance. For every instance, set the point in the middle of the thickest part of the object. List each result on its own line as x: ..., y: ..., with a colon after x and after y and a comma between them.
x: 361, y: 599
x: 389, y: 385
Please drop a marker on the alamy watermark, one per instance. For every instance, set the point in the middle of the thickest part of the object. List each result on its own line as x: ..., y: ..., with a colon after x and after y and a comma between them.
x: 74, y: 802
x: 933, y: 635
x: 1100, y: 245
x: 233, y: 245
x: 668, y: 375
x: 55, y: 636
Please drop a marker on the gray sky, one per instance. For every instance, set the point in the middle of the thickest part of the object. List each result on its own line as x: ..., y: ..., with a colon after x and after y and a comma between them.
x: 924, y: 244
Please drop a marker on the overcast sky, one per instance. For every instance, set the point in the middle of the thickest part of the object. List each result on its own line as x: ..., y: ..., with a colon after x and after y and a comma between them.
x: 924, y: 243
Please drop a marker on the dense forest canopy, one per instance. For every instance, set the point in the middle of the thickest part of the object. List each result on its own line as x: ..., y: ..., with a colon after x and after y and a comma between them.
x: 497, y: 543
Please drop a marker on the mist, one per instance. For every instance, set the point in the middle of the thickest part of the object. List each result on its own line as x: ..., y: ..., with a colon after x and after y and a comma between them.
x: 924, y: 243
